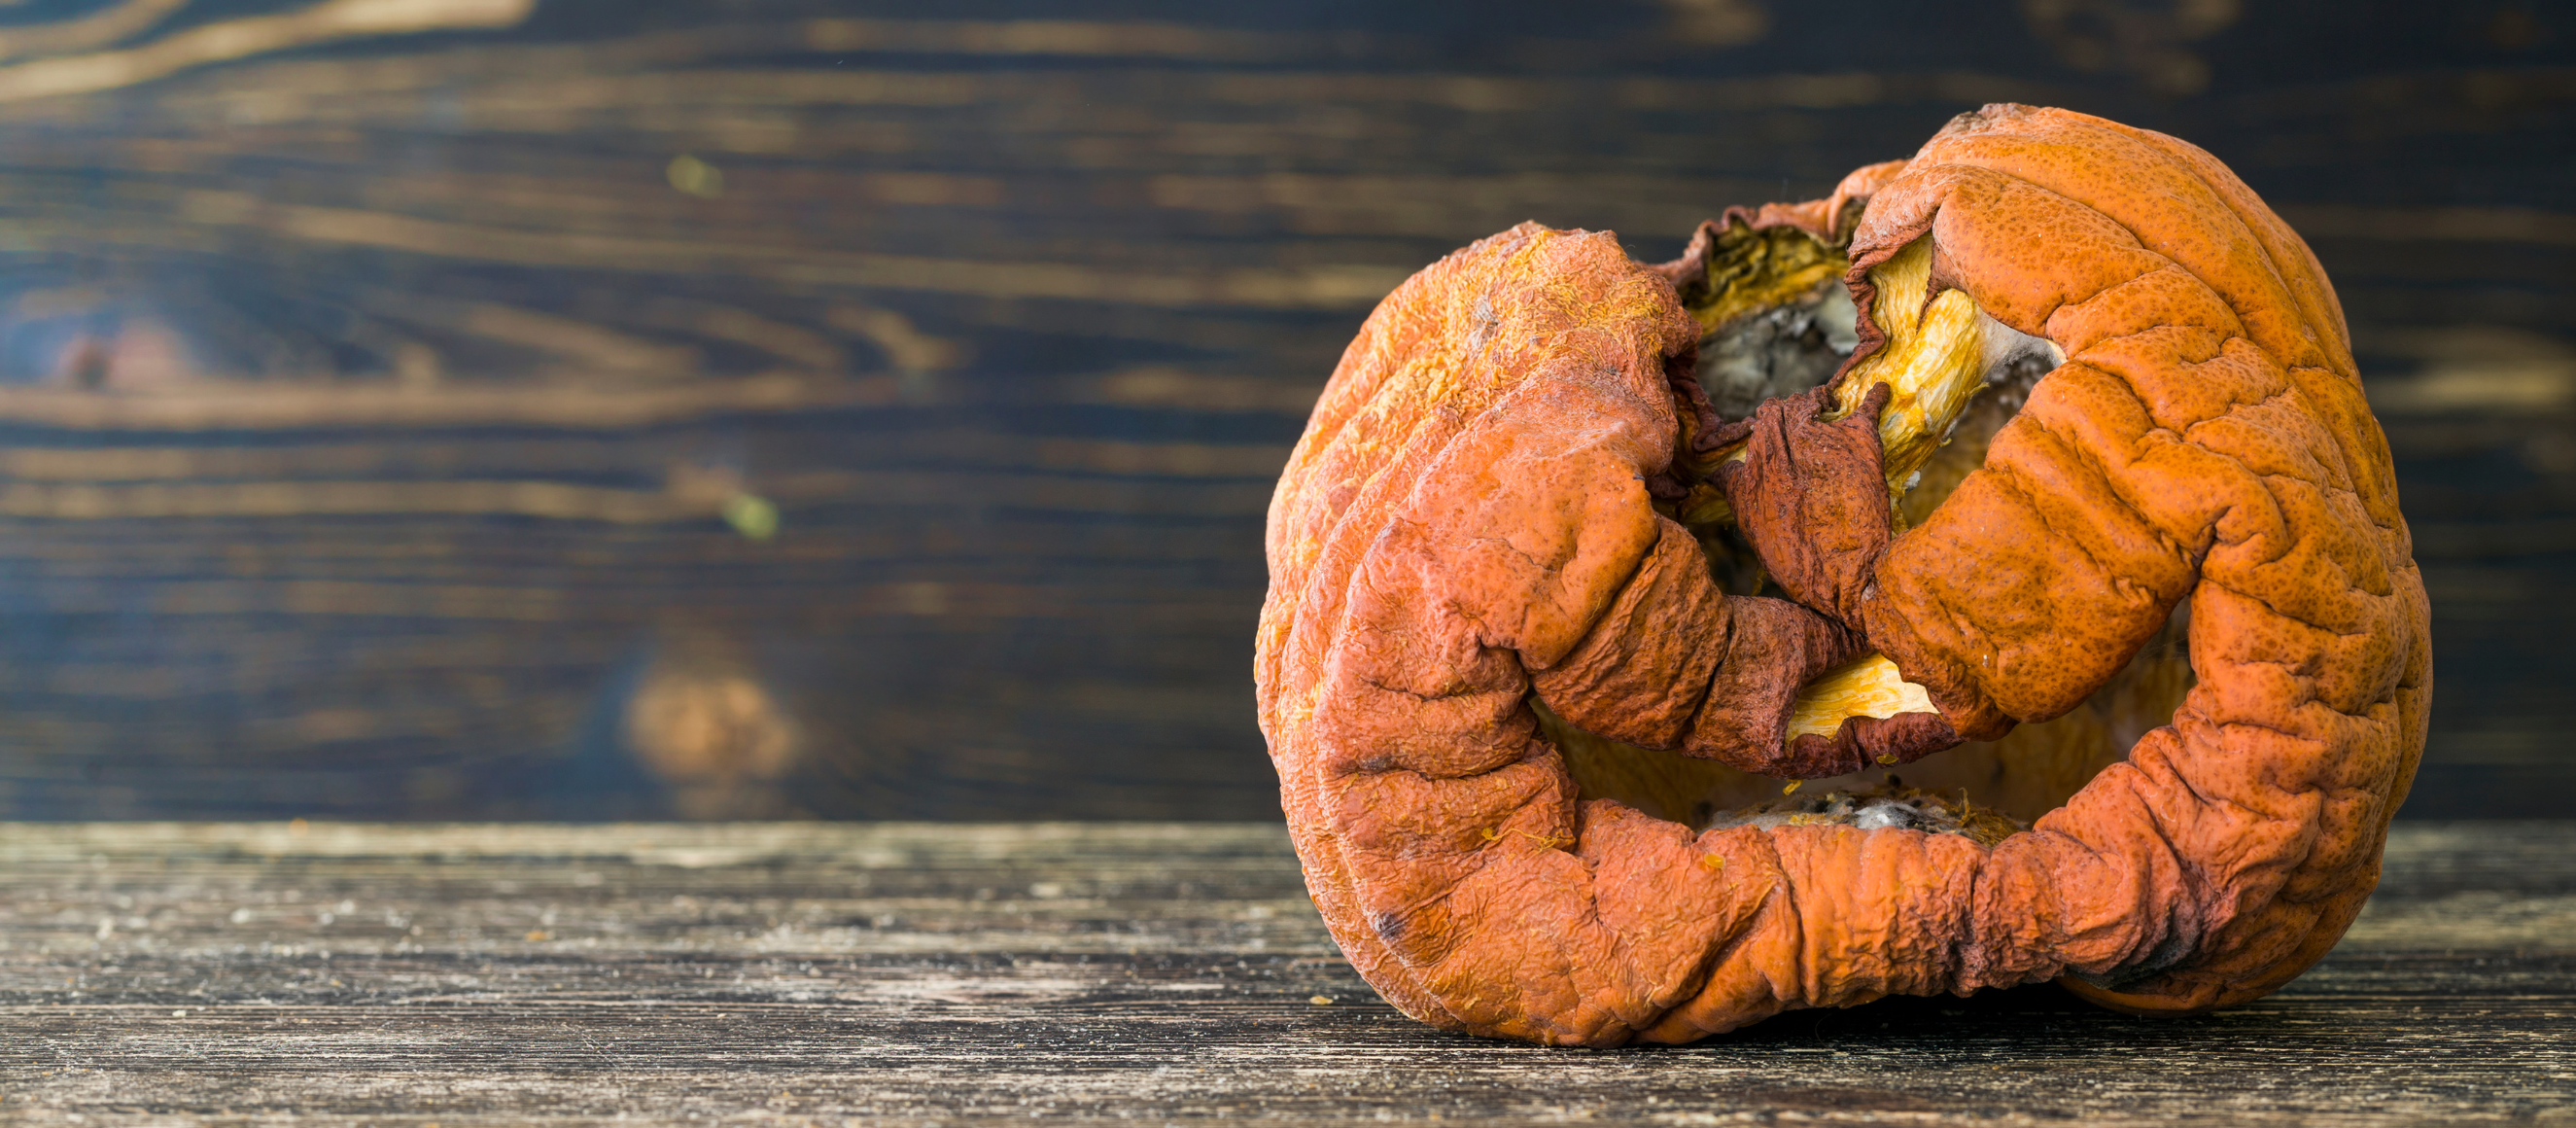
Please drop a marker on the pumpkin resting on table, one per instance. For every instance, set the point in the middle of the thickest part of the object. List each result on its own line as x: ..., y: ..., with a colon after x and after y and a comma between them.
x: 1568, y: 573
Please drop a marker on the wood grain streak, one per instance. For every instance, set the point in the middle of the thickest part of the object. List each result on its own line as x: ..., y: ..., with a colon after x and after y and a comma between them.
x: 866, y: 974
x: 912, y: 366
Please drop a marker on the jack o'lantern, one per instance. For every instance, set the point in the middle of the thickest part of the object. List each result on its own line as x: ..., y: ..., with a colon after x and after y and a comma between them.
x: 2078, y: 595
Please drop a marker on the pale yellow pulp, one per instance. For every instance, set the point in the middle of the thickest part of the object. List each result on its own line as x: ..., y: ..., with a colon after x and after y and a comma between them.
x: 1870, y: 687
x: 1934, y: 361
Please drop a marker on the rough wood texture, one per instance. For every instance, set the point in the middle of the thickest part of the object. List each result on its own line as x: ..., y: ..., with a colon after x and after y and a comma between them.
x: 914, y: 974
x: 373, y: 388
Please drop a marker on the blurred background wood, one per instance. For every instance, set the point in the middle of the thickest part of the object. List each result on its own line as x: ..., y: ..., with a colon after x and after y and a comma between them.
x: 602, y: 409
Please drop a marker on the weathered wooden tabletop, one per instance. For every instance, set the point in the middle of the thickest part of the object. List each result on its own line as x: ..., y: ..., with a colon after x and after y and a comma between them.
x: 911, y: 973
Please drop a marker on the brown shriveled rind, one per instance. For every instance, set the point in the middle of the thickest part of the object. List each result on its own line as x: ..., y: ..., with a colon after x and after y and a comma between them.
x: 1466, y: 524
x: 1811, y: 494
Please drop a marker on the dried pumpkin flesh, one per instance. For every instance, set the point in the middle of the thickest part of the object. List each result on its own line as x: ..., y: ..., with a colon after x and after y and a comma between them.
x: 1481, y: 558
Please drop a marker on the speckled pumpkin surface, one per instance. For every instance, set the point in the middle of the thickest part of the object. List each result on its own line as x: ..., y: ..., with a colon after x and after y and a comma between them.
x: 1528, y: 591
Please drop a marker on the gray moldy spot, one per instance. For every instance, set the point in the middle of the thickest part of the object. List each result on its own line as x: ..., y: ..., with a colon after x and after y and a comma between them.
x: 1894, y: 806
x: 1779, y: 351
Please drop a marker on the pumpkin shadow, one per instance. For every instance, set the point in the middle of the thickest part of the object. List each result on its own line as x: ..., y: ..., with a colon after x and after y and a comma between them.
x: 2038, y: 1021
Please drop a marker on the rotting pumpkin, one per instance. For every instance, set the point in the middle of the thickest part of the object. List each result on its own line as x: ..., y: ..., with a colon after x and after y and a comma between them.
x: 1523, y: 688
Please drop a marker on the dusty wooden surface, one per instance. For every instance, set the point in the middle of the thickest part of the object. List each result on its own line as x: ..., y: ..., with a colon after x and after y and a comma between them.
x: 917, y: 974
x: 375, y: 378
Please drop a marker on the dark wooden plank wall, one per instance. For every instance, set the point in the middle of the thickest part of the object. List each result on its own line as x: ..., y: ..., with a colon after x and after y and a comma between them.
x: 397, y: 397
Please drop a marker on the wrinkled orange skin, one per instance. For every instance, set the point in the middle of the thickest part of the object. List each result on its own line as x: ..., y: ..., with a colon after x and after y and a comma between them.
x: 1466, y: 523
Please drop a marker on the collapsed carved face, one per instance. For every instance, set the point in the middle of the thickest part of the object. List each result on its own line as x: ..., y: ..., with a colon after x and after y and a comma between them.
x: 1989, y: 574
x: 1778, y: 321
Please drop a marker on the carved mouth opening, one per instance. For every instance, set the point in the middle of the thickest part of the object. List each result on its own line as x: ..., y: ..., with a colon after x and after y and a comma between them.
x: 1777, y: 320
